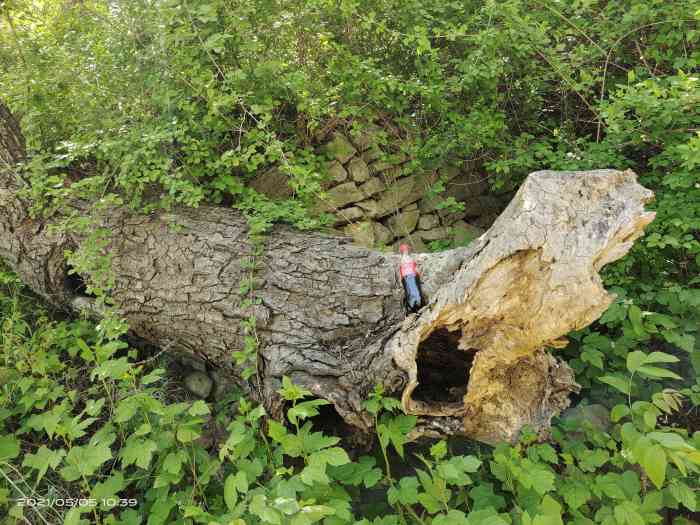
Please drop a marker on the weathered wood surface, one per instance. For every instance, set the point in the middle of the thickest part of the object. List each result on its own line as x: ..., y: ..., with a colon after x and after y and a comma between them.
x: 473, y: 361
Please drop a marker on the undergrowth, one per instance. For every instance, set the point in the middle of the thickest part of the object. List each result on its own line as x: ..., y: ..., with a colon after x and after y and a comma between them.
x: 88, y: 436
x: 155, y: 104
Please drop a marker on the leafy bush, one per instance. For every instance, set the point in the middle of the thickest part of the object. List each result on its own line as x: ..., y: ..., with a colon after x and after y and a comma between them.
x: 155, y: 104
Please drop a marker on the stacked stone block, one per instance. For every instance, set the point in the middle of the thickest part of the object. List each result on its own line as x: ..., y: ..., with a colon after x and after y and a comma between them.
x: 380, y: 203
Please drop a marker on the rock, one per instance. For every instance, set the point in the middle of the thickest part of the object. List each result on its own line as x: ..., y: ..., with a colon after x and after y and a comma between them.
x: 336, y: 172
x: 450, y: 217
x: 382, y: 235
x: 416, y: 244
x: 485, y: 221
x: 369, y: 233
x: 199, y: 383
x: 192, y: 363
x: 478, y: 183
x: 404, y: 192
x: 391, y: 174
x: 372, y: 186
x: 404, y: 222
x: 481, y: 205
x: 396, y: 196
x: 465, y: 188
x: 214, y: 432
x: 223, y: 384
x: 272, y: 183
x: 464, y: 233
x: 362, y: 233
x: 340, y: 196
x: 427, y: 222
x: 347, y: 215
x: 367, y: 136
x: 372, y: 154
x: 427, y: 205
x: 391, y: 159
x: 441, y: 232
x: 340, y: 148
x: 358, y: 170
x: 448, y: 173
x: 370, y: 207
x: 379, y: 166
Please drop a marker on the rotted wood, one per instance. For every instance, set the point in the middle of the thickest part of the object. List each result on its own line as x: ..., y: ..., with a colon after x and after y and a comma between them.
x: 478, y: 360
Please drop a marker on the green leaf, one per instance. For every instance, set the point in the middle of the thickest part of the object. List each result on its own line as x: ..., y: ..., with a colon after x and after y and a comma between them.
x: 406, y: 492
x: 292, y: 392
x: 160, y: 511
x: 683, y: 494
x: 594, y: 459
x: 439, y: 449
x: 138, y: 451
x: 199, y: 408
x: 685, y: 341
x: 267, y: 514
x: 335, y: 456
x: 660, y: 357
x: 635, y: 360
x: 286, y: 506
x: 9, y: 448
x: 108, y: 488
x: 230, y: 492
x: 484, y: 497
x: 395, y: 429
x: 618, y: 412
x: 540, y: 479
x: 635, y: 316
x: 620, y: 383
x: 657, y: 372
x: 113, y: 369
x: 305, y: 410
x: 126, y: 409
x: 611, y: 485
x: 670, y: 440
x: 627, y: 513
x: 172, y: 463
x: 486, y: 517
x: 629, y: 481
x: 152, y: 377
x: 453, y: 517
x: 72, y: 517
x: 83, y: 461
x: 314, y: 473
x: 575, y: 493
x: 616, y: 312
x: 551, y: 512
x: 654, y: 461
x: 310, y: 514
x: 44, y: 459
x: 188, y: 432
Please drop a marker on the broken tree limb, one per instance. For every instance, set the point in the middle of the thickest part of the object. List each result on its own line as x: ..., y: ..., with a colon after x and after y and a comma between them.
x: 473, y: 361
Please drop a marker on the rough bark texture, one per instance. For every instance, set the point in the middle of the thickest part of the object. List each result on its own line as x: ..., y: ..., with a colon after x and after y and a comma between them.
x: 473, y: 361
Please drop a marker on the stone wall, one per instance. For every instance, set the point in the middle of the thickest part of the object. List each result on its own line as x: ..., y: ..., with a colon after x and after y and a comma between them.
x: 378, y: 201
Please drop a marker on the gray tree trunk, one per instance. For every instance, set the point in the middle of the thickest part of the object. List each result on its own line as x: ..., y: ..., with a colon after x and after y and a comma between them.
x: 473, y: 361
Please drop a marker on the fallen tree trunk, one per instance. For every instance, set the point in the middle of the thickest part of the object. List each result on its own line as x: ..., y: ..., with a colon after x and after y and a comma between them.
x: 473, y: 361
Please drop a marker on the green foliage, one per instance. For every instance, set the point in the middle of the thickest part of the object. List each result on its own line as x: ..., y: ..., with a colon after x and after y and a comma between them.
x: 157, y: 104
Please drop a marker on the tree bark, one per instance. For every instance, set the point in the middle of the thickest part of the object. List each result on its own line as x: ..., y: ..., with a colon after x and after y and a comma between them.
x: 473, y: 361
